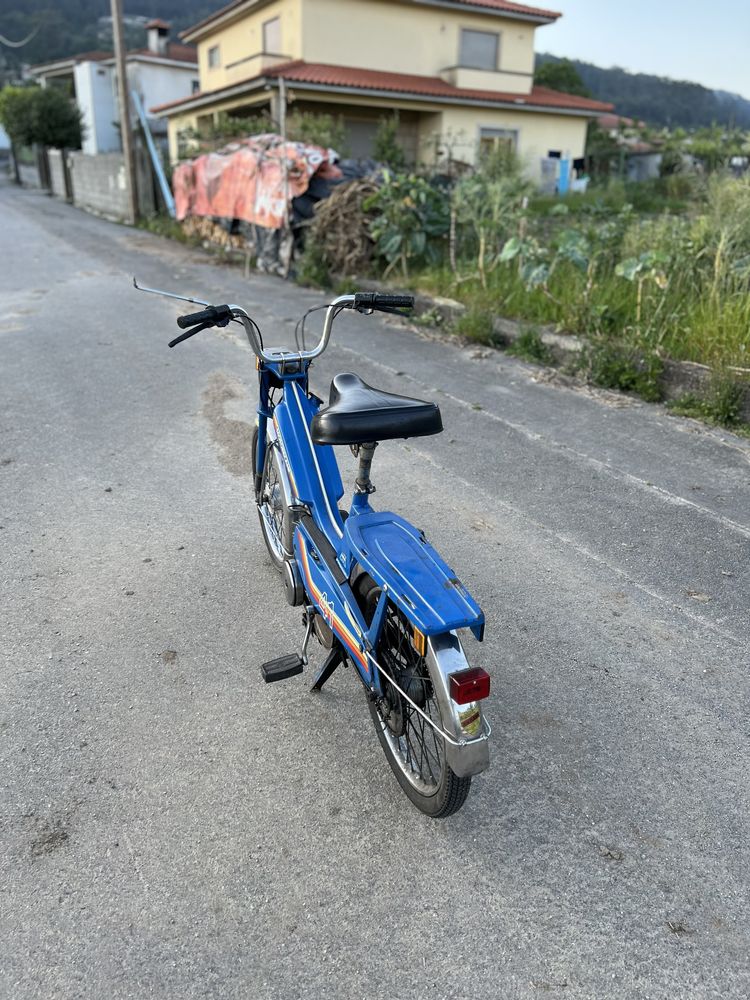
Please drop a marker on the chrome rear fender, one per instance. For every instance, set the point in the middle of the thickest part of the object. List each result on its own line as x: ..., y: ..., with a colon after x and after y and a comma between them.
x: 467, y: 745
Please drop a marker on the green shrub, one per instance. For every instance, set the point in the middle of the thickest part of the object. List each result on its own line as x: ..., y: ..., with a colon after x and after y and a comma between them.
x: 328, y: 131
x: 476, y: 324
x: 43, y: 115
x: 530, y: 346
x: 617, y: 366
x: 721, y: 404
x: 411, y: 216
x: 387, y: 148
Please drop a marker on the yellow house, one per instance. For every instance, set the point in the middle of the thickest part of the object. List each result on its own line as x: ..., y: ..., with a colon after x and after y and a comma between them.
x: 460, y: 73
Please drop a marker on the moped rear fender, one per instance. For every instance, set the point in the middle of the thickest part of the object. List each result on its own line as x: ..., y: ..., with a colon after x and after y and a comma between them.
x: 466, y: 729
x: 400, y: 559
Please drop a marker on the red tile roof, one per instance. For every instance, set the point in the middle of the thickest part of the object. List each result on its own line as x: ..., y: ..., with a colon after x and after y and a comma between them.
x: 500, y: 6
x: 158, y: 23
x: 428, y: 86
x: 338, y: 77
x: 511, y: 8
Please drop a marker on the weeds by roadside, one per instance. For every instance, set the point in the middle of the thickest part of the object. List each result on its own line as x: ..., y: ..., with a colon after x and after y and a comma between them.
x: 530, y: 347
x: 721, y: 405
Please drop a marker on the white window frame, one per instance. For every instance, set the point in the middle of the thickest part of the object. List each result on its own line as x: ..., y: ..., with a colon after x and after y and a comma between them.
x: 214, y: 57
x: 492, y: 132
x: 268, y: 50
x: 472, y: 31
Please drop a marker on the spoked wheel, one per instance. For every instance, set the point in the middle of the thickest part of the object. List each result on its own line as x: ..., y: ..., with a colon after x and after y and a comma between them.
x: 415, y: 751
x: 273, y: 507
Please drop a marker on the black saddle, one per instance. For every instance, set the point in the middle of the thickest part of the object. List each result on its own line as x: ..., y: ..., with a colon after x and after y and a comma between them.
x: 357, y: 413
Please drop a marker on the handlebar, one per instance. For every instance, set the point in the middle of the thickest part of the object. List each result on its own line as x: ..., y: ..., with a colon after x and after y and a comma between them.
x: 220, y: 316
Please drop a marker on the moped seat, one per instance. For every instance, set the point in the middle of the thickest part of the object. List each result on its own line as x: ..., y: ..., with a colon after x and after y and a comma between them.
x: 358, y: 413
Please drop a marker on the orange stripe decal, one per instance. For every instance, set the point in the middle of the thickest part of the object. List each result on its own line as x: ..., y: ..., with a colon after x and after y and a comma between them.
x: 333, y: 620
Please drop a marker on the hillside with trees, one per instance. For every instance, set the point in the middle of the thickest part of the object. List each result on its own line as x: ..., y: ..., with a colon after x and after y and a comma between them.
x: 653, y: 99
x: 64, y: 27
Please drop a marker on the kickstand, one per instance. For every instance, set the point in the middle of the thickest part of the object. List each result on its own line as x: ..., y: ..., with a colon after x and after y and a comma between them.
x: 334, y: 659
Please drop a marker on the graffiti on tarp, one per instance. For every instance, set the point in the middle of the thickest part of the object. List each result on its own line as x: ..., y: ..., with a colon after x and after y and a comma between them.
x: 253, y: 180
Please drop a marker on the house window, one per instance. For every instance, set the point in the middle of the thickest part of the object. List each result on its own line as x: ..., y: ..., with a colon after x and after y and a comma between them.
x: 194, y: 86
x: 272, y: 36
x: 493, y: 139
x: 214, y: 57
x: 479, y: 49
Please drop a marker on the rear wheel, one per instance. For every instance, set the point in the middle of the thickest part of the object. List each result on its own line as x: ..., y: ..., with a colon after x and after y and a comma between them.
x: 273, y: 507
x: 415, y: 751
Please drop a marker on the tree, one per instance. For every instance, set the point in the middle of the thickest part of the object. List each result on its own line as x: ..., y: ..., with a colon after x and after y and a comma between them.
x: 15, y: 114
x: 40, y: 115
x: 562, y: 76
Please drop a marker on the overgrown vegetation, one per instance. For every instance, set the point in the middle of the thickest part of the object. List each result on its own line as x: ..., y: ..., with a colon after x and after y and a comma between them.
x: 530, y: 347
x: 323, y: 130
x: 722, y: 403
x: 386, y: 148
x: 639, y: 286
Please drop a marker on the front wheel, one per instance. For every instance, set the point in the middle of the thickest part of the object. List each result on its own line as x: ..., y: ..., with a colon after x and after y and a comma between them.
x: 273, y: 507
x: 414, y: 750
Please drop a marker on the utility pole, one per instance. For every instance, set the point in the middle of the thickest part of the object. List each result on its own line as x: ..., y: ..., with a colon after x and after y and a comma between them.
x: 123, y: 91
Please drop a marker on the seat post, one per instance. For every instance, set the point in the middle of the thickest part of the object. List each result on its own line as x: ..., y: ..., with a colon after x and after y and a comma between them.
x: 365, y: 454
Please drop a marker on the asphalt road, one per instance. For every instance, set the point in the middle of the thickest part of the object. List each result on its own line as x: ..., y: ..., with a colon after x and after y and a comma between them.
x: 171, y: 827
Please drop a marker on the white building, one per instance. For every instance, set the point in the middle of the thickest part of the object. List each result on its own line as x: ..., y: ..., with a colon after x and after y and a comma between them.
x: 164, y: 71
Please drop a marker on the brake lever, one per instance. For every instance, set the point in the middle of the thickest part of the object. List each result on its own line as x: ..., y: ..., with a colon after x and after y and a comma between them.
x: 190, y: 333
x: 369, y: 310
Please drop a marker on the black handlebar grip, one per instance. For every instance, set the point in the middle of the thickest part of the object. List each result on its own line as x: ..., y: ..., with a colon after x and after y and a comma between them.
x: 204, y: 316
x: 213, y: 314
x: 394, y: 301
x: 379, y: 300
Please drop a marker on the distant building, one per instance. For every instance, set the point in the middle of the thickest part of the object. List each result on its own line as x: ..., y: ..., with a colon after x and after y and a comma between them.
x: 163, y: 71
x: 460, y: 73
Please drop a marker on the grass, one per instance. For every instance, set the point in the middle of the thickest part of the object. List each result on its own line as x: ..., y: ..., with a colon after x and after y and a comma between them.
x: 476, y: 324
x: 530, y: 347
x: 617, y: 366
x: 721, y: 405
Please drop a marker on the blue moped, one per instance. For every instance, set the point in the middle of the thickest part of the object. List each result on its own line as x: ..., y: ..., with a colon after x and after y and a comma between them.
x: 375, y: 593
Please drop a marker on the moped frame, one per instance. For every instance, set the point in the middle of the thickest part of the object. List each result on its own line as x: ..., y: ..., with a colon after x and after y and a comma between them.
x: 329, y: 552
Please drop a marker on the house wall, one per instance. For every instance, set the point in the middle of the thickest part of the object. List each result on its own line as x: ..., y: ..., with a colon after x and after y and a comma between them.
x: 158, y: 84
x: 538, y: 133
x: 372, y: 34
x: 244, y: 39
x: 96, y: 99
x: 399, y: 38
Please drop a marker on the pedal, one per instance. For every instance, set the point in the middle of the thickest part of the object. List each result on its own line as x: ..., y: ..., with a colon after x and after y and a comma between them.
x: 282, y: 668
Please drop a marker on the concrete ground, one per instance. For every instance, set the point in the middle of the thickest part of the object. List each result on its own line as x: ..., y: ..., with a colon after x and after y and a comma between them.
x: 171, y: 827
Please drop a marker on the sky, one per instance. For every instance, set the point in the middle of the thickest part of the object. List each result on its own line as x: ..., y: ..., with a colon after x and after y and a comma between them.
x: 693, y: 40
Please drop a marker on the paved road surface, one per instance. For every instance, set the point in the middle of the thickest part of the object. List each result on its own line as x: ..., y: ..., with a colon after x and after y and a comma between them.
x: 170, y: 827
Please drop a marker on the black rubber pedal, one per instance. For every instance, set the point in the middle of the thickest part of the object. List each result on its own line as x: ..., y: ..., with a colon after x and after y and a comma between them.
x: 282, y: 668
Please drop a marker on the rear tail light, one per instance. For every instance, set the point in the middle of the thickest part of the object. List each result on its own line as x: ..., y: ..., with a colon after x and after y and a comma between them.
x: 469, y: 685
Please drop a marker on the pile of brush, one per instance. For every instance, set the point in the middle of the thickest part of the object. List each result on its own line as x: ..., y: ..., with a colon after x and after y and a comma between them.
x: 340, y: 230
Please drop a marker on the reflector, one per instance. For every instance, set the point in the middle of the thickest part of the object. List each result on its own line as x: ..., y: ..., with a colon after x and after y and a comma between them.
x: 470, y: 685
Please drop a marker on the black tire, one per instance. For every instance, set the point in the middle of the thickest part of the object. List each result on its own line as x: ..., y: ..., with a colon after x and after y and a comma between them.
x: 437, y: 792
x: 273, y: 501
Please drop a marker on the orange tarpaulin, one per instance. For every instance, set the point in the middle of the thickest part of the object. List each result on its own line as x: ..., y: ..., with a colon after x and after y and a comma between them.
x: 245, y: 180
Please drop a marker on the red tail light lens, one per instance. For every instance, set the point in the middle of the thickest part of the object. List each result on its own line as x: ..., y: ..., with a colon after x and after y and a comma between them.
x: 470, y: 685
